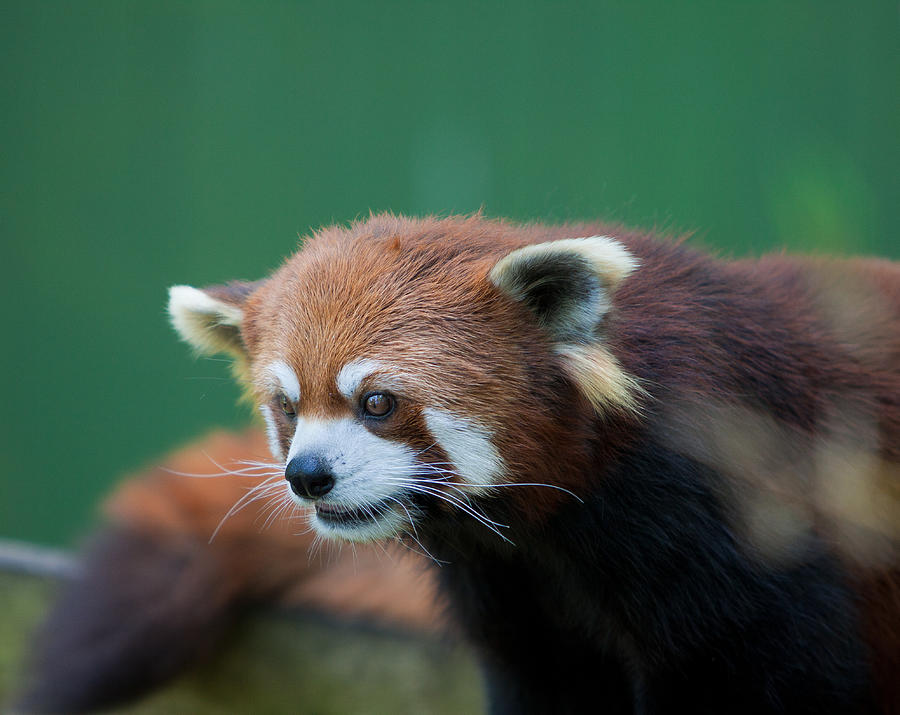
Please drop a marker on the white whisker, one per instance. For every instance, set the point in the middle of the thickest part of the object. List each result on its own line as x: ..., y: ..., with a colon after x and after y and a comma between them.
x: 465, y: 507
x: 501, y: 484
x: 415, y: 535
x: 228, y: 473
x: 246, y: 499
x: 282, y: 504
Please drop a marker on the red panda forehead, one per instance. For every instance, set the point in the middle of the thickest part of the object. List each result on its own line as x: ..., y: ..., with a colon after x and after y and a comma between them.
x: 430, y: 313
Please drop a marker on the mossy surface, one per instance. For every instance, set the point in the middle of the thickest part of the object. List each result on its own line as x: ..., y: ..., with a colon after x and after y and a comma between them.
x: 23, y: 601
x: 279, y: 663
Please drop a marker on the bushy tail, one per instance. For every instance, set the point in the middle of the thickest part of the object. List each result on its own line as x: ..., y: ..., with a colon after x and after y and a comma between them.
x: 140, y: 610
x: 154, y: 595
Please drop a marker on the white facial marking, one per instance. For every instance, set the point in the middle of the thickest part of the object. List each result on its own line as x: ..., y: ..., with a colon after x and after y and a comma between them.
x: 353, y: 373
x: 285, y: 378
x: 272, y: 433
x: 468, y: 445
x: 370, y: 473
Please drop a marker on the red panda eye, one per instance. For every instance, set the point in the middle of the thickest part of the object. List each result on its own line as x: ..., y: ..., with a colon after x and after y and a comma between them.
x: 287, y: 407
x: 378, y: 404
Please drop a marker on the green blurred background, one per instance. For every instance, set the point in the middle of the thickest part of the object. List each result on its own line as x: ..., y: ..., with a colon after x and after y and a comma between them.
x: 146, y: 144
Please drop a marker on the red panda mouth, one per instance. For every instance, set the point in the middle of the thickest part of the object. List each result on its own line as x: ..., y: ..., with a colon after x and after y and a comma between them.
x: 334, y: 514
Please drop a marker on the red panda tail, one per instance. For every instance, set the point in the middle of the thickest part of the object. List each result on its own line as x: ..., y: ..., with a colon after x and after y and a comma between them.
x: 154, y: 594
x: 139, y: 611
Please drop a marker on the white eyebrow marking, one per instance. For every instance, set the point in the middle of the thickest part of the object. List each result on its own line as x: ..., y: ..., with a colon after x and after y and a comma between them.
x: 353, y: 373
x: 286, y: 378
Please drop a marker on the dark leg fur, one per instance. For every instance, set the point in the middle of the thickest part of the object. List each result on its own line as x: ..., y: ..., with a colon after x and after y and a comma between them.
x: 532, y: 663
x: 642, y: 601
x: 141, y: 610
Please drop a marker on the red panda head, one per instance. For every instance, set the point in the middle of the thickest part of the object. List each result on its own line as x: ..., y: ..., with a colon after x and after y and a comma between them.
x: 405, y: 365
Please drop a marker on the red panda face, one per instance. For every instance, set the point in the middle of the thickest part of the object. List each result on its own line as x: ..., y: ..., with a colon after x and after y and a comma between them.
x: 366, y: 459
x: 402, y: 366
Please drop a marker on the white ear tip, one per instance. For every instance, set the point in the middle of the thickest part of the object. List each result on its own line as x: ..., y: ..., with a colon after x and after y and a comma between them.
x: 609, y: 258
x: 180, y: 290
x: 188, y: 301
x: 187, y: 298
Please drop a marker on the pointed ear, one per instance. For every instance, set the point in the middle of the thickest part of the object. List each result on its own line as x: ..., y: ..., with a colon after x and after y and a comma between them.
x: 568, y: 284
x: 210, y: 319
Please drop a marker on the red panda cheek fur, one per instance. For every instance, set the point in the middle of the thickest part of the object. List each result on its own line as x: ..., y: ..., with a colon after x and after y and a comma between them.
x: 706, y: 394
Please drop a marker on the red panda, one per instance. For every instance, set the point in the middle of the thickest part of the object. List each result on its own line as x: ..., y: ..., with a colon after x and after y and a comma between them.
x: 647, y: 480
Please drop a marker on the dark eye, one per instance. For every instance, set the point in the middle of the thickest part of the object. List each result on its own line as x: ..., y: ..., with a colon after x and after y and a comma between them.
x: 378, y: 404
x: 286, y: 406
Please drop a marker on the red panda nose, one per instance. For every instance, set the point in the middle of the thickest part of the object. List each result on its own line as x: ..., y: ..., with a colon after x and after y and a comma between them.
x: 309, y: 476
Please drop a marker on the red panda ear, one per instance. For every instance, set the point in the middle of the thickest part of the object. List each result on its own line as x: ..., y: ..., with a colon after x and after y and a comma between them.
x: 568, y: 284
x: 210, y: 319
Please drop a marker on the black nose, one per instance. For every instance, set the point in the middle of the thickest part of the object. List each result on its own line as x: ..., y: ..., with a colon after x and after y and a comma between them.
x: 309, y: 476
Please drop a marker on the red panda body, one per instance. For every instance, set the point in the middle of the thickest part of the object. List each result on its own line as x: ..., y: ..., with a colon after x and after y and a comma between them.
x: 650, y: 481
